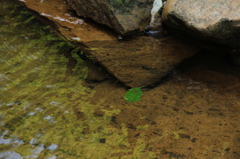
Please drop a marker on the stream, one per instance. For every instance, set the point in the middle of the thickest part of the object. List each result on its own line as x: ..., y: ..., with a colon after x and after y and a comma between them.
x: 48, y: 110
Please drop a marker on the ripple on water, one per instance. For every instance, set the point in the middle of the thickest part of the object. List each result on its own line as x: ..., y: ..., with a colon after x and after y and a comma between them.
x: 35, y: 87
x: 44, y: 107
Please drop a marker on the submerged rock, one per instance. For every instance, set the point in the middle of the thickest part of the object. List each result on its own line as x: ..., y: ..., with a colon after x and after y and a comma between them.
x: 125, y: 17
x: 141, y: 61
x: 216, y: 22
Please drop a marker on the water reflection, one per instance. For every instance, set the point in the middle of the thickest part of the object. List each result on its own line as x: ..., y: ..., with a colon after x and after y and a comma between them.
x: 10, y: 155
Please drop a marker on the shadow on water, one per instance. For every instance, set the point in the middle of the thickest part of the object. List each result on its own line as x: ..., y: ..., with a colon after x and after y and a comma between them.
x: 48, y: 110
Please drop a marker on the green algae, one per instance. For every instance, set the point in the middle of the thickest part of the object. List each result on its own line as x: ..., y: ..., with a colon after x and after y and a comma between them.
x: 93, y: 49
x: 116, y: 2
x: 176, y: 135
x: 43, y: 100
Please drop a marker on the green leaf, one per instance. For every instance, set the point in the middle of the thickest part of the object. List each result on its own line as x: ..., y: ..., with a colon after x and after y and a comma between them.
x: 133, y: 95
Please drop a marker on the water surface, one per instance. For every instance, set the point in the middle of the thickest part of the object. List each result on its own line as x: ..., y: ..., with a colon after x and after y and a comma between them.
x: 48, y: 110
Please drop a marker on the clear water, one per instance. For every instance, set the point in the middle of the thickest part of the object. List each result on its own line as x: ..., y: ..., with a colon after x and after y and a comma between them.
x: 47, y: 110
x: 39, y: 91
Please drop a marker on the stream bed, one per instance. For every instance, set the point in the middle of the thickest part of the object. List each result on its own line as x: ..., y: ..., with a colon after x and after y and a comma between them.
x: 48, y: 109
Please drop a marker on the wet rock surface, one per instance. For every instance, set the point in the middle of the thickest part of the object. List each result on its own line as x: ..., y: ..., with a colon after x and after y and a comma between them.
x: 139, y: 61
x: 125, y: 17
x: 216, y: 22
x: 68, y: 25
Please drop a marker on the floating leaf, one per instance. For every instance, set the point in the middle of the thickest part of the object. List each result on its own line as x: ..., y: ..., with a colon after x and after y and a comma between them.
x: 133, y: 95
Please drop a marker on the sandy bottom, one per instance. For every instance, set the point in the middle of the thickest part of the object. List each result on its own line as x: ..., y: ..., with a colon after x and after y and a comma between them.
x: 48, y: 110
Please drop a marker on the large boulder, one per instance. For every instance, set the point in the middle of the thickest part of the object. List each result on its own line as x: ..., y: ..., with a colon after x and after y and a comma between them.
x: 125, y: 17
x: 216, y: 22
x: 139, y: 61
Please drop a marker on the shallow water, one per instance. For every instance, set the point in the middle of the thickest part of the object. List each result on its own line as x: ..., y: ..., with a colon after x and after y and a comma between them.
x: 48, y: 110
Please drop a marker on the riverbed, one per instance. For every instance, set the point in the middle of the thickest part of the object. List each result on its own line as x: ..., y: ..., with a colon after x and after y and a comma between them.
x: 49, y: 110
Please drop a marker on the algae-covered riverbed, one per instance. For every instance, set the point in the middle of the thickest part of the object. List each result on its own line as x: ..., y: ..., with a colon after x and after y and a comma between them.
x: 49, y: 111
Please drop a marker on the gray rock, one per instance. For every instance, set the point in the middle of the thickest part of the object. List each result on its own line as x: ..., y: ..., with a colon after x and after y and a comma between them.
x: 125, y: 16
x: 216, y: 22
